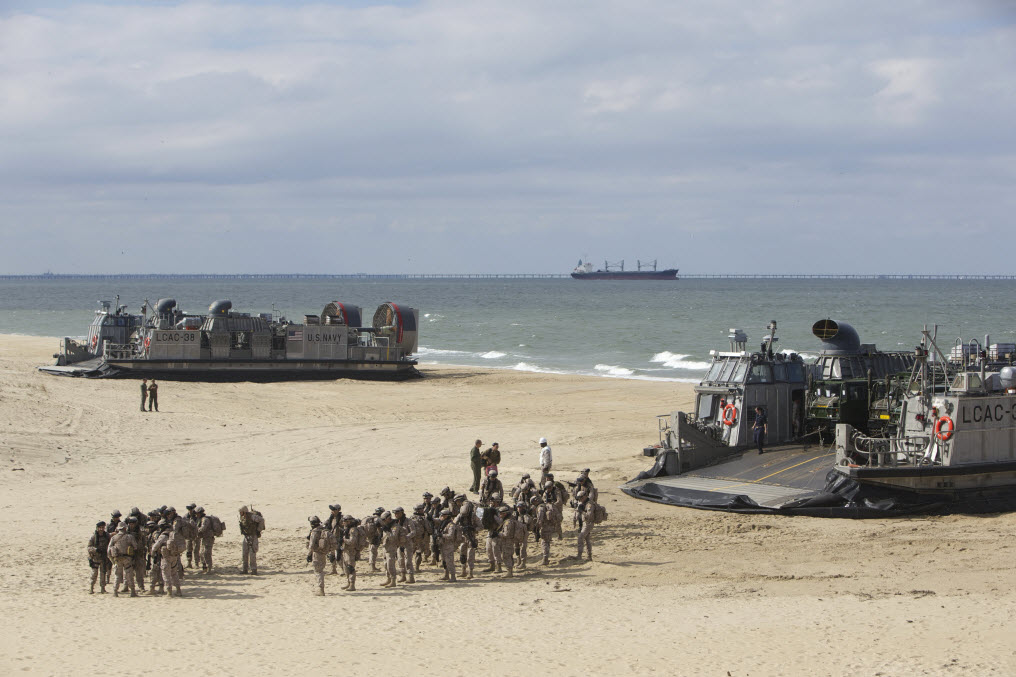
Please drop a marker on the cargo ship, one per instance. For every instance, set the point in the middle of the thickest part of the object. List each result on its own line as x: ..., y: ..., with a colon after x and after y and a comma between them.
x: 616, y: 271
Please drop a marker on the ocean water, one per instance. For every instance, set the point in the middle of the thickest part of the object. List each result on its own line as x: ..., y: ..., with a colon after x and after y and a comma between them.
x: 612, y: 329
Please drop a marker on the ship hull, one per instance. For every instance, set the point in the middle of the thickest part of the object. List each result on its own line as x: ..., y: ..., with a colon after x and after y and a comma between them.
x: 266, y: 369
x: 235, y: 370
x: 670, y: 274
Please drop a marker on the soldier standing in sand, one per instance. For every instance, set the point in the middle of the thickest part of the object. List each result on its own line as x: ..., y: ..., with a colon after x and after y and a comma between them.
x: 121, y: 553
x: 451, y: 537
x: 475, y: 463
x: 583, y: 519
x: 352, y: 543
x: 251, y: 526
x: 546, y: 459
x: 144, y: 392
x: 320, y: 542
x: 97, y: 559
x: 544, y: 525
x: 153, y: 396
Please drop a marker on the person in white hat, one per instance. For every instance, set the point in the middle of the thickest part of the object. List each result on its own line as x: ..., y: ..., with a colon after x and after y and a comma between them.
x: 546, y: 460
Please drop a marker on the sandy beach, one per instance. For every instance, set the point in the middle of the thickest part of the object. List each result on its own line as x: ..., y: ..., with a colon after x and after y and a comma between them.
x: 672, y: 591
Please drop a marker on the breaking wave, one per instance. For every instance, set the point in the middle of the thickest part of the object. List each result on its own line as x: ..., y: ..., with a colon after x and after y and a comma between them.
x: 492, y: 355
x: 611, y: 370
x: 525, y: 366
x: 678, y: 361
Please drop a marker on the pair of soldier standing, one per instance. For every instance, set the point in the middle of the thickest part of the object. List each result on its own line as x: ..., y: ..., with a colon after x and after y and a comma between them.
x: 149, y: 391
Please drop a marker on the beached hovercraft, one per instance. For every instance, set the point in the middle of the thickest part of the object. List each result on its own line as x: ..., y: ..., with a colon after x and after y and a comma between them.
x: 949, y: 444
x: 227, y: 344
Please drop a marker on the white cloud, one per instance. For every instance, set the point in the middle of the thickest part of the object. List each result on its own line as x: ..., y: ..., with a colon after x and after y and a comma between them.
x: 614, y: 123
x: 910, y: 89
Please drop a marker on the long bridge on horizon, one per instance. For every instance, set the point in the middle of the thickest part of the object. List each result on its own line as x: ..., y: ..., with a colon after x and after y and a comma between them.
x: 489, y: 276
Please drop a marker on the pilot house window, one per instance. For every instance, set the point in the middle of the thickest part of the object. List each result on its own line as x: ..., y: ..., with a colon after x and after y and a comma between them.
x: 239, y: 340
x: 761, y: 373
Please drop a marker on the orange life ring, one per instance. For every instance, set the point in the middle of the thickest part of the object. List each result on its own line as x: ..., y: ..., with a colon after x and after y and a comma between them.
x: 944, y: 435
x: 729, y: 414
x: 148, y: 342
x: 95, y: 339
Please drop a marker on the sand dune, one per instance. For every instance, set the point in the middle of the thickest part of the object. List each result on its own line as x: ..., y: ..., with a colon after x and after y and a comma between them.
x: 674, y: 591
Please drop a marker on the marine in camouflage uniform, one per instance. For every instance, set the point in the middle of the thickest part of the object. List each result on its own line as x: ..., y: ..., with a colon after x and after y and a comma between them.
x: 122, y: 546
x: 583, y: 483
x: 319, y: 544
x: 489, y: 486
x: 170, y: 544
x: 435, y: 517
x: 524, y: 490
x: 334, y: 525
x: 193, y: 544
x: 251, y: 526
x: 543, y: 525
x: 206, y: 535
x: 554, y: 497
x: 524, y: 521
x: 111, y: 529
x: 447, y: 497
x: 352, y: 543
x: 392, y: 537
x: 504, y: 540
x: 469, y: 526
x: 183, y: 526
x: 134, y: 527
x: 372, y: 530
x: 407, y: 552
x: 495, y: 503
x: 98, y: 544
x: 155, y: 577
x: 583, y: 519
x: 422, y: 530
x: 449, y: 540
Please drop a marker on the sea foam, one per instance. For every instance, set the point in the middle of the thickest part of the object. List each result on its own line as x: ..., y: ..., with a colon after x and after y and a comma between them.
x: 678, y: 361
x: 611, y: 370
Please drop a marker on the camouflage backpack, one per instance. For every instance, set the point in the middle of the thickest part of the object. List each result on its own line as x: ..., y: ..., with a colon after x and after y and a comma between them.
x: 259, y: 524
x: 187, y: 527
x: 119, y: 546
x: 177, y: 544
x: 325, y: 542
x: 217, y: 526
x: 599, y: 513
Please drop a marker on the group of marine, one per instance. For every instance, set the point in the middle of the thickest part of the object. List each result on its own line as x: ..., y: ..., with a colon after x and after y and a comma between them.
x: 125, y: 549
x: 438, y: 529
x: 449, y: 524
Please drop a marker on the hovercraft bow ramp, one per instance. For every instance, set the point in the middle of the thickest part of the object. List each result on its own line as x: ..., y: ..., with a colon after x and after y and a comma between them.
x: 783, y: 477
x: 786, y: 480
x: 93, y: 368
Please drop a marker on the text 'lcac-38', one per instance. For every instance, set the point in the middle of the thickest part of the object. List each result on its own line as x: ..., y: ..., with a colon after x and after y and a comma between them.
x: 225, y: 344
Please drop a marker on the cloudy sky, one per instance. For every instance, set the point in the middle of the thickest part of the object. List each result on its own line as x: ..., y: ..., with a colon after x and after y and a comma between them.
x: 716, y: 136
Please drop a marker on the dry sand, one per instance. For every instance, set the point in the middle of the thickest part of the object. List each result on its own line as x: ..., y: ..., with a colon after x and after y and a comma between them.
x: 673, y: 591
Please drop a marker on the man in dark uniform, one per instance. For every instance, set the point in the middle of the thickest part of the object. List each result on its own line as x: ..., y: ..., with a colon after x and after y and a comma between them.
x: 153, y: 396
x: 760, y: 428
x: 475, y: 463
x: 144, y: 392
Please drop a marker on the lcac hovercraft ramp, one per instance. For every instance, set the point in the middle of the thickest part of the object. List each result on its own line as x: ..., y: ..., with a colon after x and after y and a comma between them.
x: 790, y: 478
